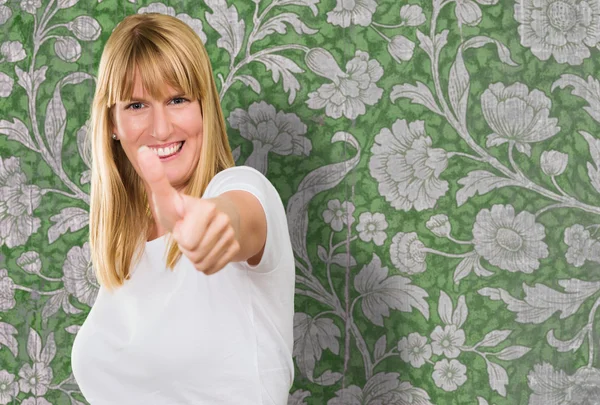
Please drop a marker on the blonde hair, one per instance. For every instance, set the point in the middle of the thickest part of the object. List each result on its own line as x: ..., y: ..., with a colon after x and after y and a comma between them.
x: 164, y: 50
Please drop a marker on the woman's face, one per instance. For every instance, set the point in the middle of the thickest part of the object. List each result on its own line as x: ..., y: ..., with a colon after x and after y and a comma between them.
x: 172, y: 128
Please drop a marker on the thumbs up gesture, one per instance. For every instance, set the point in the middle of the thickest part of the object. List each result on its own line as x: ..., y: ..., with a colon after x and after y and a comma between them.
x: 204, y: 232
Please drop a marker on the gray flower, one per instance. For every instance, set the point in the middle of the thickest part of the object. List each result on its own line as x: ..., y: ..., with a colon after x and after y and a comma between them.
x: 85, y: 28
x: 350, y: 91
x: 79, y: 276
x: 347, y: 12
x: 338, y: 214
x: 30, y: 262
x: 513, y: 243
x: 412, y: 15
x: 408, y: 253
x: 35, y: 401
x: 401, y: 48
x: 517, y: 115
x: 270, y: 131
x: 12, y: 51
x: 439, y: 225
x: 31, y: 6
x: 560, y: 28
x: 449, y: 375
x: 7, y: 291
x: 67, y: 48
x: 414, y: 349
x: 6, y: 85
x: 160, y: 8
x: 17, y: 203
x: 8, y: 387
x: 447, y: 341
x: 580, y: 245
x: 371, y: 227
x: 552, y: 386
x: 407, y: 168
x: 35, y: 379
x: 5, y: 13
x: 554, y: 163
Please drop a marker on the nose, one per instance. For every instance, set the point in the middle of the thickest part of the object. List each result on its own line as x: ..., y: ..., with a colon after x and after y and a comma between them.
x: 161, y: 123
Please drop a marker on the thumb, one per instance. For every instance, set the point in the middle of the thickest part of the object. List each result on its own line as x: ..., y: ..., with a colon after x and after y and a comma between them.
x: 167, y: 201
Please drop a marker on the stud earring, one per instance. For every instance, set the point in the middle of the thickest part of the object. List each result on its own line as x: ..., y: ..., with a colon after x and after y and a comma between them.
x: 114, y: 136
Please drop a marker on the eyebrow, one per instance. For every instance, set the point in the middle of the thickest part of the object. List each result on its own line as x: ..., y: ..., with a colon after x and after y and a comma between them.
x: 142, y: 100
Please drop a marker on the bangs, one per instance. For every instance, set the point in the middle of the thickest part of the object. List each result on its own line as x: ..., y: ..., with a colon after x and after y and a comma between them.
x: 159, y: 63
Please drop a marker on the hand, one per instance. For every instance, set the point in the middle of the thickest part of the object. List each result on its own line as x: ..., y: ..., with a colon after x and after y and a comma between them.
x: 203, y: 232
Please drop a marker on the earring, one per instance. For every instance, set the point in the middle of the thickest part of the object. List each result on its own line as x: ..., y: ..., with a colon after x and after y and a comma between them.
x: 114, y: 136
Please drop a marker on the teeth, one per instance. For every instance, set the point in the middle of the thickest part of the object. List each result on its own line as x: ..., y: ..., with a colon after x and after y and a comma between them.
x: 167, y: 151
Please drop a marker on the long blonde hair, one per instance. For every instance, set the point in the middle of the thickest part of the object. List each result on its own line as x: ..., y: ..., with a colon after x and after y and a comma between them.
x: 164, y: 50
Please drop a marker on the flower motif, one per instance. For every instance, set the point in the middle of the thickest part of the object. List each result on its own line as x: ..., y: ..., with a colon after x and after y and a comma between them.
x: 35, y: 379
x: 5, y: 12
x: 414, y: 349
x: 8, y: 387
x: 449, y: 375
x: 412, y: 15
x: 467, y: 12
x: 513, y: 243
x: 160, y: 8
x: 12, y: 51
x: 371, y: 227
x: 31, y: 6
x: 516, y: 115
x: 35, y: 401
x: 408, y: 253
x: 350, y: 91
x: 347, y: 12
x: 6, y: 85
x: 17, y: 203
x: 561, y: 28
x: 447, y: 341
x: 407, y: 168
x: 580, y: 245
x: 401, y: 48
x: 339, y: 214
x: 270, y: 131
x: 439, y: 225
x: 67, y: 49
x: 552, y: 386
x: 554, y: 163
x: 7, y: 291
x: 30, y: 262
x: 79, y: 277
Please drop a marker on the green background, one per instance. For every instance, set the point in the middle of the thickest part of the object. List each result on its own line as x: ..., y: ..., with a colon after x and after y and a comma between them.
x: 441, y: 183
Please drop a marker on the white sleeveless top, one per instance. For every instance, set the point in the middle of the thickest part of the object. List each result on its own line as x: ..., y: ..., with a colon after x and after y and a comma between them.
x: 181, y: 337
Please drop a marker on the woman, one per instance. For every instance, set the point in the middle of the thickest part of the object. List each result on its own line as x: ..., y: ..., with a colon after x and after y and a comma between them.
x: 196, y: 297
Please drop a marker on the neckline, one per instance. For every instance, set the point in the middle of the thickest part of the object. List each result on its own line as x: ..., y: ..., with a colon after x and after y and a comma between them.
x: 156, y: 241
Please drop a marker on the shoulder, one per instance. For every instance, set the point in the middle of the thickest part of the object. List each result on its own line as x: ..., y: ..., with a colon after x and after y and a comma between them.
x: 239, y: 178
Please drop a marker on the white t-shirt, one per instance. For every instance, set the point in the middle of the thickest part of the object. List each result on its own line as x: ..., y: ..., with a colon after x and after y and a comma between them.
x: 182, y: 337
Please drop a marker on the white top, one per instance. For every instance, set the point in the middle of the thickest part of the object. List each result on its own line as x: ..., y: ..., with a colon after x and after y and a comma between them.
x: 182, y: 337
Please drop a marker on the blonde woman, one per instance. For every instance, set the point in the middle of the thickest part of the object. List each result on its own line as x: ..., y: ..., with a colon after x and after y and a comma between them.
x: 192, y: 254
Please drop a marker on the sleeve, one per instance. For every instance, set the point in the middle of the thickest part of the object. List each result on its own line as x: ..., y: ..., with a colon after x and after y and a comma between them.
x: 251, y: 180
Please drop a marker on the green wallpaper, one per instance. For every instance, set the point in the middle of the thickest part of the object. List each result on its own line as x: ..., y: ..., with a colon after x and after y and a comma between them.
x: 439, y: 162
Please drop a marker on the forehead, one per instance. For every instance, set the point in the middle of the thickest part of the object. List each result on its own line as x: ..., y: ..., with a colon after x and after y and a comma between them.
x: 161, y: 89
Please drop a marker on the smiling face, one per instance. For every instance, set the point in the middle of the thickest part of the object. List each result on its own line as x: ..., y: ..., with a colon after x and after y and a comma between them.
x: 171, y: 126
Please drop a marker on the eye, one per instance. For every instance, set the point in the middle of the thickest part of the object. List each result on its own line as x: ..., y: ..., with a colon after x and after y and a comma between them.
x: 179, y: 100
x: 134, y: 106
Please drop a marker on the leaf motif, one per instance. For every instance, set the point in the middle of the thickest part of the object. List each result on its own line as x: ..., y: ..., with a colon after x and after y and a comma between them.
x: 49, y: 351
x: 250, y: 82
x: 482, y: 401
x: 567, y: 345
x: 445, y: 308
x: 51, y: 306
x: 277, y: 24
x: 307, y: 3
x: 480, y: 182
x: 433, y: 48
x: 541, y: 302
x: 419, y: 94
x: 322, y: 253
x: 298, y: 397
x: 380, y: 348
x: 321, y: 179
x: 7, y: 338
x: 498, y: 378
x: 343, y: 260
x: 328, y: 378
x: 284, y: 67
x: 62, y: 4
x: 311, y: 337
x: 17, y: 131
x: 84, y: 145
x: 226, y: 22
x: 467, y: 265
x: 458, y: 88
x: 382, y: 293
x: 593, y: 172
x: 56, y: 115
x: 479, y: 41
x: 589, y: 91
x: 73, y: 329
x: 34, y: 346
x: 494, y: 338
x: 29, y: 84
x: 513, y: 353
x: 67, y: 306
x: 70, y: 218
x: 460, y: 313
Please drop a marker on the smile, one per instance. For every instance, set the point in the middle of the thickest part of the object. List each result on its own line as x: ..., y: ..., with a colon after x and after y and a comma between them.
x: 169, y: 151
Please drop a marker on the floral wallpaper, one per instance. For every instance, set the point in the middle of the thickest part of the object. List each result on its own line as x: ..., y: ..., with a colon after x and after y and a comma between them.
x: 440, y: 166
